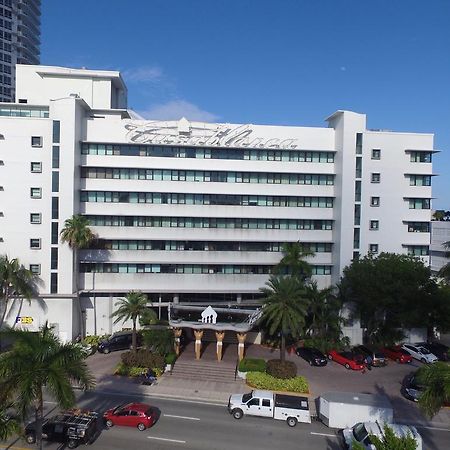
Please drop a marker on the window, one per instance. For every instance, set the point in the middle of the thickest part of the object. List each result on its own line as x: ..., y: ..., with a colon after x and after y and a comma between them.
x: 36, y: 141
x: 374, y: 224
x: 266, y: 402
x: 36, y: 167
x: 418, y: 227
x: 56, y: 131
x: 420, y: 180
x: 376, y: 153
x: 35, y: 218
x: 375, y: 178
x: 53, y: 283
x: 373, y: 248
x: 55, y: 157
x: 54, y: 232
x: 54, y: 258
x: 374, y: 201
x: 35, y: 192
x: 418, y: 250
x: 55, y: 208
x: 55, y: 181
x: 35, y: 243
x: 419, y: 203
x: 423, y: 156
x: 35, y: 269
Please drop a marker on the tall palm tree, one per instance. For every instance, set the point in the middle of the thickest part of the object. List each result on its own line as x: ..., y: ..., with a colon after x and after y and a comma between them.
x: 77, y: 234
x: 9, y: 425
x: 293, y: 260
x: 133, y: 306
x: 284, y: 308
x: 39, y: 360
x: 15, y: 281
x: 436, y: 379
x: 445, y: 270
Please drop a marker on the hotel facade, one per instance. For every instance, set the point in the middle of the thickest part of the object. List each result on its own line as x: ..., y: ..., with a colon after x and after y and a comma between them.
x: 190, y: 212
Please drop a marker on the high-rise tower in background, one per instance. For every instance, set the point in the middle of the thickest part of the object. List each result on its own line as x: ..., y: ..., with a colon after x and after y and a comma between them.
x: 20, y: 32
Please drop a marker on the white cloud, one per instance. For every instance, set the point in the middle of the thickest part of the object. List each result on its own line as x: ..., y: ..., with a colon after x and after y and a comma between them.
x: 143, y: 74
x: 176, y: 109
x: 343, y: 68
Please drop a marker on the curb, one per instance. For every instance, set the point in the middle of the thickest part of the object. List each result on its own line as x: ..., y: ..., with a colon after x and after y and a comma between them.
x: 165, y: 396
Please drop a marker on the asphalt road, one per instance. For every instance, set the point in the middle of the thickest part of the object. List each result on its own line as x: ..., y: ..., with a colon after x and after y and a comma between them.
x: 189, y: 425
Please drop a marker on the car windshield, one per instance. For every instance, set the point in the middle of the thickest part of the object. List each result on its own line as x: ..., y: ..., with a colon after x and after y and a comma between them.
x: 246, y: 397
x: 119, y: 407
x: 424, y: 351
x: 359, y: 432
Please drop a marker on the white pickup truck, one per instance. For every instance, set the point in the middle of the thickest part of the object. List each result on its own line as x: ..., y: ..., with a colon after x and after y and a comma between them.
x: 290, y: 408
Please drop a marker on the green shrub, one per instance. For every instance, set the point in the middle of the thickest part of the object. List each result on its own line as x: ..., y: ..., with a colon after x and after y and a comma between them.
x: 278, y: 369
x: 135, y: 371
x: 95, y: 340
x: 325, y: 345
x: 259, y: 380
x: 171, y: 358
x: 159, y: 340
x: 252, y: 365
x: 142, y: 358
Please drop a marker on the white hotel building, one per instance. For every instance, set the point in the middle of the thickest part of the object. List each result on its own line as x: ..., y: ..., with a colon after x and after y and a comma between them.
x: 189, y: 211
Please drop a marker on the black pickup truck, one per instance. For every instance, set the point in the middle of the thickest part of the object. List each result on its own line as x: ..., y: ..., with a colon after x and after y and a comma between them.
x: 71, y: 428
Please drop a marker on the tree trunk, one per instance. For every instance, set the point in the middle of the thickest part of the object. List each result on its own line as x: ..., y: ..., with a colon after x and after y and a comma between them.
x: 78, y: 301
x: 283, y: 348
x: 134, y: 337
x: 39, y: 420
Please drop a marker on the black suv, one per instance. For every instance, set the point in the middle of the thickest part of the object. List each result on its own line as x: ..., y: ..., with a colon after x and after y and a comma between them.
x: 70, y: 427
x: 378, y: 358
x: 121, y: 340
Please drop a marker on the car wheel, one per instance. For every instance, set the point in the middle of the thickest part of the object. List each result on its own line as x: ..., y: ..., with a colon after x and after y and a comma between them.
x: 291, y: 421
x: 141, y: 427
x: 347, y: 366
x: 109, y: 423
x: 106, y: 350
x: 237, y: 413
x: 330, y: 357
x: 72, y: 443
x: 423, y: 360
x: 30, y: 438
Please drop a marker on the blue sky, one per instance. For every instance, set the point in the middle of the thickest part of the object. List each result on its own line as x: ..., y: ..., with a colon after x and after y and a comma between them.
x: 287, y: 62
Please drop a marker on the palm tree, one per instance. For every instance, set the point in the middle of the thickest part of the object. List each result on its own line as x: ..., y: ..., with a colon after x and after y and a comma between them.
x: 284, y: 308
x: 324, y: 309
x: 436, y: 379
x: 9, y: 425
x: 15, y: 281
x: 293, y: 260
x: 445, y: 270
x: 133, y: 306
x: 39, y: 360
x: 77, y: 234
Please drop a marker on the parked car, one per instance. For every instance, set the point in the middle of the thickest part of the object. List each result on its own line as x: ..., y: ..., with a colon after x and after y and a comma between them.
x: 397, y: 354
x: 362, y: 431
x: 70, y: 428
x: 312, y: 355
x: 411, y: 389
x: 378, y: 359
x: 290, y: 408
x: 420, y: 353
x: 121, y: 340
x: 349, y: 360
x: 139, y: 415
x: 438, y: 349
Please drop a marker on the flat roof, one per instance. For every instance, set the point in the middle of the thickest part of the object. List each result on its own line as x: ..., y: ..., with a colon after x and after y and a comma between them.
x: 356, y: 398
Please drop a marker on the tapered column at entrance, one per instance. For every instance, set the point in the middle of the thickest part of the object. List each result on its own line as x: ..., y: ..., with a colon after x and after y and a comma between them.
x: 177, y: 332
x: 198, y: 343
x: 241, y: 347
x: 219, y: 336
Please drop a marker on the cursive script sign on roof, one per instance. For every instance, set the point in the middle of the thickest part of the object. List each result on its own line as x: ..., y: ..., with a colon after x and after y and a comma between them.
x: 206, y: 135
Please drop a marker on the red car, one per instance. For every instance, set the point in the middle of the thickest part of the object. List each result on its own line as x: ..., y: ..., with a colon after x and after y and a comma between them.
x: 348, y: 359
x: 137, y: 415
x: 397, y: 354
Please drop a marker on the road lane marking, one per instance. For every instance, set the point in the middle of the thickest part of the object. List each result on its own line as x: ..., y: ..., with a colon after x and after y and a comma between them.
x: 323, y: 434
x: 166, y: 439
x: 181, y: 417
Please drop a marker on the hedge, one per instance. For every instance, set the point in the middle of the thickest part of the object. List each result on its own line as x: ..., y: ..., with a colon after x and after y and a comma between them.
x: 134, y: 371
x: 259, y: 380
x: 252, y: 365
x: 278, y: 369
x: 142, y: 358
x: 170, y: 358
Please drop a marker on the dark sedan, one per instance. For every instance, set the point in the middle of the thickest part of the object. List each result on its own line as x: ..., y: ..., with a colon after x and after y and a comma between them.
x: 411, y: 389
x: 312, y: 355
